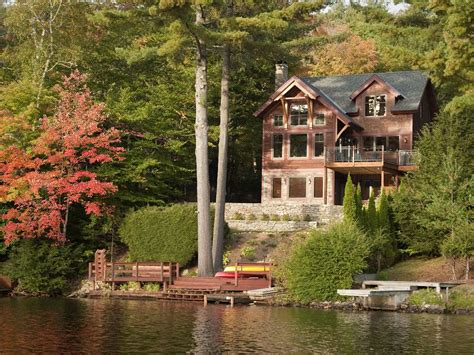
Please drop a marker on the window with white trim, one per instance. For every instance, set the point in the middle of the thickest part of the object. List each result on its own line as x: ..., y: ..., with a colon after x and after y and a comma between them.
x: 298, y: 145
x: 319, y: 119
x: 299, y: 114
x: 319, y: 144
x: 297, y: 187
x: 375, y: 105
x: 278, y: 120
x: 277, y: 146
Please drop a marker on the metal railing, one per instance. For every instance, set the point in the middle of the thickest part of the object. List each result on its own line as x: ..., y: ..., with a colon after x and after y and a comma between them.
x: 354, y: 154
x: 407, y: 157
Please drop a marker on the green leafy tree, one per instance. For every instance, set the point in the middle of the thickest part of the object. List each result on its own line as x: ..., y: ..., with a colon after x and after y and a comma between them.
x: 438, y: 217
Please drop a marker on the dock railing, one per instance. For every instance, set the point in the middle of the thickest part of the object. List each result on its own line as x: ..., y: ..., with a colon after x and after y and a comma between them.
x: 239, y: 271
x: 161, y: 272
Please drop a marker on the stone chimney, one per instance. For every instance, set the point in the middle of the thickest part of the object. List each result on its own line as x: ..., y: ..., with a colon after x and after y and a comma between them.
x: 281, y: 74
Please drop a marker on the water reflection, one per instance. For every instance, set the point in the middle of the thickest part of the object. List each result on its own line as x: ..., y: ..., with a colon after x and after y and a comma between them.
x: 64, y: 325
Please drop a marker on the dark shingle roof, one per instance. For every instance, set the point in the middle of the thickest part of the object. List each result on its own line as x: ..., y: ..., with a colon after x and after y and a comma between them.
x: 338, y: 89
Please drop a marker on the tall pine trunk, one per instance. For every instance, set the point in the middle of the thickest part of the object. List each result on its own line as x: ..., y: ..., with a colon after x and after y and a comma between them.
x: 219, y: 217
x: 202, y: 169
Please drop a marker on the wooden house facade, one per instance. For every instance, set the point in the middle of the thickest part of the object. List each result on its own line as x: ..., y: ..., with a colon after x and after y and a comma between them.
x: 317, y: 130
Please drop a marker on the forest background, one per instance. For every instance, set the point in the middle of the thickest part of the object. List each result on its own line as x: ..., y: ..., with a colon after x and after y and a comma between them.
x: 145, y: 79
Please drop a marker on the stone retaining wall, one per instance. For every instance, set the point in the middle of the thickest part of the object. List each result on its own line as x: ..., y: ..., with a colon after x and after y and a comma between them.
x: 256, y: 217
x: 270, y: 226
x: 317, y: 213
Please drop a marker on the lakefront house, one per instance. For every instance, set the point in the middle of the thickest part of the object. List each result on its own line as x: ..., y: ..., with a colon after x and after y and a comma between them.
x: 317, y: 130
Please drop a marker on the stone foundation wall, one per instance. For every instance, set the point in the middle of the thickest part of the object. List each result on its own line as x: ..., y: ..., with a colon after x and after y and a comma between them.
x: 323, y: 214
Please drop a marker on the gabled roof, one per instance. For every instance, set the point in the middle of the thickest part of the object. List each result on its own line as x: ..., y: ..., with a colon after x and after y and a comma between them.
x: 369, y: 82
x: 409, y: 84
x: 311, y: 91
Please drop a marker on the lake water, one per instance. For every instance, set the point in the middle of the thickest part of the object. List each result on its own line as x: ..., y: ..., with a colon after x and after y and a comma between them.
x: 123, y: 326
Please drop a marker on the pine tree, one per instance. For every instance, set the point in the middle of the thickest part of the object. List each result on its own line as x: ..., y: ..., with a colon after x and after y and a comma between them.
x: 360, y: 207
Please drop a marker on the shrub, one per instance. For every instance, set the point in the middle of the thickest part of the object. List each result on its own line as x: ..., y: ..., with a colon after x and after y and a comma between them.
x: 274, y: 217
x: 295, y: 218
x: 265, y: 217
x: 248, y: 253
x: 40, y: 266
x: 286, y: 217
x: 151, y: 287
x: 161, y: 233
x: 425, y: 297
x: 130, y: 286
x: 324, y: 262
x: 307, y: 218
x: 462, y: 297
x: 251, y: 217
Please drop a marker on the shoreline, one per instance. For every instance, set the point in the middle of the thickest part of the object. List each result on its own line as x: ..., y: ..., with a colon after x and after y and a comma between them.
x: 344, y: 306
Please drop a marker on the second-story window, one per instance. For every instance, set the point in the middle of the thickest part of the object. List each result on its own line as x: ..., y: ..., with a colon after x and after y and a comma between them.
x: 375, y: 105
x: 319, y: 119
x: 298, y: 145
x: 318, y: 144
x: 278, y: 120
x: 277, y: 146
x: 299, y: 114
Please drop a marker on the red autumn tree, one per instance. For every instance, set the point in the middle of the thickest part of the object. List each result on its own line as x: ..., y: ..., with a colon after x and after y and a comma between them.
x: 43, y: 181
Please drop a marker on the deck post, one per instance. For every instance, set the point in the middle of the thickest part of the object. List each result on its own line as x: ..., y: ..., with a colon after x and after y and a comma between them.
x: 161, y: 266
x: 382, y: 180
x: 136, y: 266
x: 205, y: 300
x: 235, y: 275
x: 170, y: 270
x: 232, y: 301
x: 177, y: 271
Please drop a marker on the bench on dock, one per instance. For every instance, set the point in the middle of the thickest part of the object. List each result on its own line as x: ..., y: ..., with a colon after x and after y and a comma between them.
x: 117, y: 272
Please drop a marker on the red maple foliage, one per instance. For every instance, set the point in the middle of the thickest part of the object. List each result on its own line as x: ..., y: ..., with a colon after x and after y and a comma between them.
x: 43, y: 181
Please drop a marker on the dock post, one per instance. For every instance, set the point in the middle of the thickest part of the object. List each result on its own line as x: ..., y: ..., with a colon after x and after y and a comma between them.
x: 205, y: 300
x: 232, y: 301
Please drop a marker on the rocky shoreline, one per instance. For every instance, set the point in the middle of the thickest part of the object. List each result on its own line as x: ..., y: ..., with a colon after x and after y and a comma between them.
x: 355, y: 306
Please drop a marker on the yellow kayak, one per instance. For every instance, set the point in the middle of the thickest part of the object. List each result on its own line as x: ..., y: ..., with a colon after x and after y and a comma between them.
x: 247, y: 268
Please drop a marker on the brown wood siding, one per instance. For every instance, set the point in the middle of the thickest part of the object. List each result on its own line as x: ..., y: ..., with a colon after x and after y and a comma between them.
x: 388, y: 125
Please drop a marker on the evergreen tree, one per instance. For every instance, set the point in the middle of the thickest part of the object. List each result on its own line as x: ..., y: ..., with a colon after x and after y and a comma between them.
x: 371, y: 215
x: 350, y: 203
x: 360, y: 207
x: 383, y: 213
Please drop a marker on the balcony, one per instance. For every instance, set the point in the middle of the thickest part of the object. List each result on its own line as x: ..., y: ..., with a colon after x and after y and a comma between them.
x: 353, y: 159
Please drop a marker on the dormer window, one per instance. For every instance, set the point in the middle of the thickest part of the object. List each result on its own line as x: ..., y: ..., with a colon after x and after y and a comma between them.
x: 375, y: 105
x: 299, y: 114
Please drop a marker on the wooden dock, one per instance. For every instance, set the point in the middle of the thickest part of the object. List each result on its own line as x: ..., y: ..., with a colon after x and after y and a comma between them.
x: 230, y: 298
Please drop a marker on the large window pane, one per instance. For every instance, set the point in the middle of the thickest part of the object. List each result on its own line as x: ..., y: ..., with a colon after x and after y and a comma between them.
x: 369, y: 143
x: 297, y: 187
x: 318, y: 187
x: 381, y: 142
x: 276, y: 188
x: 298, y: 145
x: 318, y: 144
x: 278, y: 146
x: 299, y: 115
x: 393, y: 143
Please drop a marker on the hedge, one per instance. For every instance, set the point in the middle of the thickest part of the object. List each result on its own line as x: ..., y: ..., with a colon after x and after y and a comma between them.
x: 161, y: 233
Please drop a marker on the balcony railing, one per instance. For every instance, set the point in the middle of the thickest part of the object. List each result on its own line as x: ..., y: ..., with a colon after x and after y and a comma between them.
x: 353, y: 154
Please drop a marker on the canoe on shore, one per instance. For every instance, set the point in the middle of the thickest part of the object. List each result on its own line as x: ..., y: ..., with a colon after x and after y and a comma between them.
x: 248, y: 268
